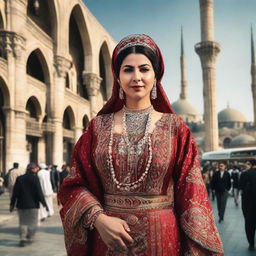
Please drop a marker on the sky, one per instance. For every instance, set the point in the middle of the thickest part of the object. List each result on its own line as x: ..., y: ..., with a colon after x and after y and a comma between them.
x: 162, y: 20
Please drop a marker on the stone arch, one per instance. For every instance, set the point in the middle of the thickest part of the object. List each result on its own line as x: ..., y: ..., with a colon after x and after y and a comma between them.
x: 85, y: 122
x: 33, y: 108
x: 4, y: 102
x: 37, y: 66
x: 5, y: 92
x: 105, y: 71
x: 44, y: 14
x: 68, y: 134
x: 79, y: 47
x: 2, y: 26
x: 68, y: 118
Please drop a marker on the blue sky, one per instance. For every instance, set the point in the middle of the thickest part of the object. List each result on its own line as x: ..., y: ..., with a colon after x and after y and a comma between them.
x: 162, y: 20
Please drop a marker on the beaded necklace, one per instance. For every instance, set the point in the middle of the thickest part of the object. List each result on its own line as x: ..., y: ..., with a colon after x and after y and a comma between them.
x: 131, y: 149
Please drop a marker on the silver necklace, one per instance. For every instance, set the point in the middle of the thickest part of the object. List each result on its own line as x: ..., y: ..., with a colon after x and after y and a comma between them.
x: 140, y: 120
x: 145, y: 138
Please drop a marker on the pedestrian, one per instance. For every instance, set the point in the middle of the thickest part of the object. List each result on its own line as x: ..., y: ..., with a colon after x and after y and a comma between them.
x: 247, y: 184
x: 135, y: 185
x: 54, y: 175
x: 235, y: 183
x: 45, y: 181
x: 64, y: 173
x: 12, y: 175
x: 27, y: 194
x: 221, y: 184
x: 207, y: 180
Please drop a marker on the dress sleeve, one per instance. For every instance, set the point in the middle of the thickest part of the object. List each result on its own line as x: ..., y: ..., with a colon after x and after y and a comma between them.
x: 199, y: 233
x: 80, y: 195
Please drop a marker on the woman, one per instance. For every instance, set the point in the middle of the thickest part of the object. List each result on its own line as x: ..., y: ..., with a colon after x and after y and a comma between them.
x: 135, y: 186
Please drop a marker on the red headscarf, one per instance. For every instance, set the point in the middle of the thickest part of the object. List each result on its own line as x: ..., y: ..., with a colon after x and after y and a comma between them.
x: 114, y: 104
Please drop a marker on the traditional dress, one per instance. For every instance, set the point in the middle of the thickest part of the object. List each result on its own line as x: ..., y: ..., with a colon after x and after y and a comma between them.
x: 168, y: 212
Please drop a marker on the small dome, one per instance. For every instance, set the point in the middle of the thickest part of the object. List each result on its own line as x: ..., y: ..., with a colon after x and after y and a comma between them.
x: 242, y: 140
x: 231, y: 115
x: 183, y: 107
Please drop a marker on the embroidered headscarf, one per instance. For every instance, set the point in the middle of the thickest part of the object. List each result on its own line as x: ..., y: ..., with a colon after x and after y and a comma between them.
x: 114, y: 104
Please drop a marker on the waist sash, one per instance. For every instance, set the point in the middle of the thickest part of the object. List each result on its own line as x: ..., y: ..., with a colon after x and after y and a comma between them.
x: 137, y: 203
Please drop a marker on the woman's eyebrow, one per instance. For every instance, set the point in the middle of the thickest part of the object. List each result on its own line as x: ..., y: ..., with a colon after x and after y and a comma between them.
x: 130, y: 66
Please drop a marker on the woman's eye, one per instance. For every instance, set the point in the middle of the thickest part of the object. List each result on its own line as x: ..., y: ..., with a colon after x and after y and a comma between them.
x: 127, y: 70
x: 144, y: 70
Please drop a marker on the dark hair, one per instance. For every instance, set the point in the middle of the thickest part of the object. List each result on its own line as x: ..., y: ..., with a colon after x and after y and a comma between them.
x: 223, y: 162
x: 154, y: 59
x: 253, y: 162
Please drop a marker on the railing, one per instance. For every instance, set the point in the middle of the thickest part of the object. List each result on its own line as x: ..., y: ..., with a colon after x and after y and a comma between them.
x: 48, y: 127
x: 33, y: 128
x: 68, y: 133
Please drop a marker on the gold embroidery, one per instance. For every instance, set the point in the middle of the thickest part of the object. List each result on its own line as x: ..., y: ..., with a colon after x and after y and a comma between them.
x: 136, y: 203
x: 197, y: 222
x: 195, y: 176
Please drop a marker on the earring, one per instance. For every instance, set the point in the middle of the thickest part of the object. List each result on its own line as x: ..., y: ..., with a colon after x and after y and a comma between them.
x: 154, y: 91
x: 121, y: 93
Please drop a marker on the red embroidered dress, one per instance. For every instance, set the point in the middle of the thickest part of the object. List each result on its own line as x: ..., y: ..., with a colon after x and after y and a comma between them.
x: 168, y: 214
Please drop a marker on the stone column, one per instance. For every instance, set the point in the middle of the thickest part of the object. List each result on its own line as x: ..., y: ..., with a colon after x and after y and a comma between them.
x: 14, y: 51
x: 92, y: 82
x: 62, y: 65
x: 208, y: 51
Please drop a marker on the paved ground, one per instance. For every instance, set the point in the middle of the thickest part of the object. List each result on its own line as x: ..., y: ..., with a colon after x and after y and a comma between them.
x: 49, y: 238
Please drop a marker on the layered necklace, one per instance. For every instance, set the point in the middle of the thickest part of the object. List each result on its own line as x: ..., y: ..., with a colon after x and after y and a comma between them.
x: 134, y: 122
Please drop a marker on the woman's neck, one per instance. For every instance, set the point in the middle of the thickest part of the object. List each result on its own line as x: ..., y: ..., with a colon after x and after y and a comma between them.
x: 138, y: 104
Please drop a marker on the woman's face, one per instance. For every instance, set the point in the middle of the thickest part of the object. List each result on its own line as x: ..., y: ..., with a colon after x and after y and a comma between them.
x: 137, y: 77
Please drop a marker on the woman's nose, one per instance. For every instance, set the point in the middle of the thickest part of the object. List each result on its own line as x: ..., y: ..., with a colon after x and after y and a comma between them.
x: 137, y: 76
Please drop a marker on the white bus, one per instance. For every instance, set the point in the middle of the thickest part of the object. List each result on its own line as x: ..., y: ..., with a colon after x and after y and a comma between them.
x: 236, y: 154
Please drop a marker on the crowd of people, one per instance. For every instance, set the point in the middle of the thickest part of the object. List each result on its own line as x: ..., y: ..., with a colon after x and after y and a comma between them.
x: 31, y: 191
x: 223, y: 180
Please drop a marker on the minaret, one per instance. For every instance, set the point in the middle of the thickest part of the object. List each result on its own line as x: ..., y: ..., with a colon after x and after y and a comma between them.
x: 208, y: 50
x: 184, y: 87
x: 253, y: 75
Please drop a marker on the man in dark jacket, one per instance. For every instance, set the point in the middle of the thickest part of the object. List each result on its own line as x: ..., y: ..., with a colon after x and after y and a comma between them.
x: 221, y: 184
x: 247, y: 184
x: 27, y: 194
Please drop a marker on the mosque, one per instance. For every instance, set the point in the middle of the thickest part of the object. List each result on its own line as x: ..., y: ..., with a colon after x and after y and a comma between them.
x: 55, y: 74
x: 233, y: 128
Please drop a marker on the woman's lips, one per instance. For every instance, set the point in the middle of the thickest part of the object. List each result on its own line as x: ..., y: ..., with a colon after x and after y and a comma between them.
x: 137, y: 87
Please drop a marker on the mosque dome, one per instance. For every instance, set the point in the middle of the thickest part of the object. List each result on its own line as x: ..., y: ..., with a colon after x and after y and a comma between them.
x: 242, y: 140
x: 231, y: 115
x: 183, y: 107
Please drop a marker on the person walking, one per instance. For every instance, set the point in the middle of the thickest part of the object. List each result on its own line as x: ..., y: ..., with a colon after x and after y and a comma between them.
x: 221, y: 184
x: 27, y: 194
x: 13, y: 173
x: 235, y: 183
x: 247, y: 184
x: 45, y: 181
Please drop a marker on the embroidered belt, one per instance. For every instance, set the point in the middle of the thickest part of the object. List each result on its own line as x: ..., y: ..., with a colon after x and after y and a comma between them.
x: 137, y: 203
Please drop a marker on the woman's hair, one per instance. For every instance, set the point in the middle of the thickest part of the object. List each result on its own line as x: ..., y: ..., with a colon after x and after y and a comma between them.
x: 154, y: 59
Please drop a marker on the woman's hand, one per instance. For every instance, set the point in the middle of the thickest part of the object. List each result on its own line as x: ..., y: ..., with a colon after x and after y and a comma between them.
x: 113, y: 232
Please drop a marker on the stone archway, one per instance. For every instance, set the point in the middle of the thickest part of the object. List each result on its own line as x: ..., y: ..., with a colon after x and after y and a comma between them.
x: 4, y: 102
x: 33, y: 128
x: 43, y: 13
x: 105, y: 71
x: 79, y: 48
x: 68, y: 134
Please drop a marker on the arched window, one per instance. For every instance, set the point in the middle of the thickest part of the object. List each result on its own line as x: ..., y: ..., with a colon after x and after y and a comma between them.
x: 34, y: 67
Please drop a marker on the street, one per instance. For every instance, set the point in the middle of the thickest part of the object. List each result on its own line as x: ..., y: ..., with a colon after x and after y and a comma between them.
x: 49, y: 238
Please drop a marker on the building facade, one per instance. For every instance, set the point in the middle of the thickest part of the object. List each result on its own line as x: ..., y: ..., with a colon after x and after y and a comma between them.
x: 55, y: 74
